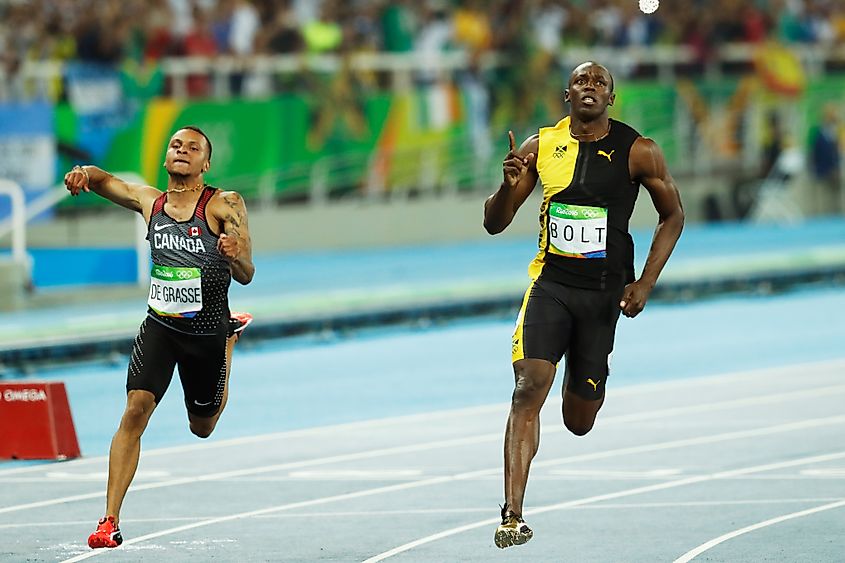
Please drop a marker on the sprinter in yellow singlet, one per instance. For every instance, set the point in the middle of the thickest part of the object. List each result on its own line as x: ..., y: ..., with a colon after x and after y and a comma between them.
x: 591, y: 168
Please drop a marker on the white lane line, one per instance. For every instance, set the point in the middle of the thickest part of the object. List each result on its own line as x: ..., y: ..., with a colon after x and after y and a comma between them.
x: 616, y: 475
x: 456, y: 442
x: 472, y: 474
x: 707, y: 380
x: 423, y: 511
x: 693, y: 553
x: 825, y: 472
x: 285, y: 435
x: 609, y: 496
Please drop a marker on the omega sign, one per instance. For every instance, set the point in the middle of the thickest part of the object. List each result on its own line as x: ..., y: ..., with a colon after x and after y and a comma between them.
x: 25, y: 395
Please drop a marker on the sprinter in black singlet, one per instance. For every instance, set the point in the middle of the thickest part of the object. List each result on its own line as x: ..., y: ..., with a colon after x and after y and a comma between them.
x: 591, y: 168
x: 199, y: 240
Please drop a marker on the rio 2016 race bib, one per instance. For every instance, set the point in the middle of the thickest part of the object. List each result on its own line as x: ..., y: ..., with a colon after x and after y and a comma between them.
x: 577, y: 231
x: 175, y: 292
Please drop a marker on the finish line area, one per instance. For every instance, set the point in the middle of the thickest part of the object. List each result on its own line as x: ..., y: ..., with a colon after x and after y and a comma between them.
x: 721, y: 439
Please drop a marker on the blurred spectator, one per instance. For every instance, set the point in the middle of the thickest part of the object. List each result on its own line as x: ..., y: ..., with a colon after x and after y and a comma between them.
x: 182, y: 17
x: 306, y: 10
x: 605, y: 21
x: 11, y: 87
x: 158, y: 39
x: 837, y: 21
x: 112, y: 32
x: 102, y: 38
x: 244, y: 28
x: 398, y: 24
x: 755, y: 24
x: 826, y: 161
x: 104, y: 31
x: 773, y: 143
x: 283, y: 36
x: 323, y: 34
x: 200, y: 42
x: 434, y: 37
x: 221, y: 24
x: 548, y: 22
x: 472, y: 26
x: 792, y: 25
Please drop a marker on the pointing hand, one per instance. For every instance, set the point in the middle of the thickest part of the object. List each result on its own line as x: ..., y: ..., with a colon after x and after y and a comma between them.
x: 515, y: 166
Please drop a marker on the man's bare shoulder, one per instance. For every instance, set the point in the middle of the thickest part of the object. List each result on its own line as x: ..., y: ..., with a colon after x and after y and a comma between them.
x: 530, y: 145
x: 229, y: 198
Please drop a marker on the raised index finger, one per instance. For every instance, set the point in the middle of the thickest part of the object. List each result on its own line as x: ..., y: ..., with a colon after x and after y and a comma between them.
x: 512, y: 141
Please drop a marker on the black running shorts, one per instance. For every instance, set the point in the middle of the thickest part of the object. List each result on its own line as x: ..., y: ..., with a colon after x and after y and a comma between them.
x: 581, y: 323
x: 201, y: 360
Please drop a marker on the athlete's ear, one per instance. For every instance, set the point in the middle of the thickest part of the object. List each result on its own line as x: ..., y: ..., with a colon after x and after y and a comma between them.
x: 566, y: 95
x: 612, y: 98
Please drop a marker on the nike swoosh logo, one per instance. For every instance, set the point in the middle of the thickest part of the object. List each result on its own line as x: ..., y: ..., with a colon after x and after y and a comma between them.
x: 160, y: 227
x: 197, y: 403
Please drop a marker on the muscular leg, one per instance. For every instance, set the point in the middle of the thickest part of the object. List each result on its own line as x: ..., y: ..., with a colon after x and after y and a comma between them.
x: 126, y: 448
x: 203, y: 426
x: 533, y: 379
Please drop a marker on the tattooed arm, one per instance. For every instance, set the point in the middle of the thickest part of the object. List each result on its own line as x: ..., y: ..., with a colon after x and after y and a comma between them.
x: 235, y: 244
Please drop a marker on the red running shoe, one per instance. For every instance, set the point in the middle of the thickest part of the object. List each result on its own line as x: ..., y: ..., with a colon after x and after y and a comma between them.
x: 239, y: 321
x: 106, y: 535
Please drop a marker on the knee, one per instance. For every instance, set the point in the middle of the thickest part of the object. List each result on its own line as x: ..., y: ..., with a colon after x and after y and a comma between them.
x: 201, y: 432
x: 202, y: 429
x: 529, y: 392
x: 136, y: 415
x: 578, y: 427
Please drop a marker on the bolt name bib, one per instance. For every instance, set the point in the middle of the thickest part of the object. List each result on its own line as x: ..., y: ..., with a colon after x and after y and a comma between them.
x: 577, y: 231
x: 175, y: 292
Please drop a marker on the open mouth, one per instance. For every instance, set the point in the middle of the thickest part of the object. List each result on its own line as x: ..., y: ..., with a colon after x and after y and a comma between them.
x: 588, y: 100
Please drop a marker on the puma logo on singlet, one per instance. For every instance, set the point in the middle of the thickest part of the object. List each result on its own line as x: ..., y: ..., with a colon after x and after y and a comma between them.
x: 606, y: 154
x: 595, y: 384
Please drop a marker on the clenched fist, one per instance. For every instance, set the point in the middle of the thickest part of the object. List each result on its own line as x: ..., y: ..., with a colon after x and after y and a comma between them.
x: 228, y: 246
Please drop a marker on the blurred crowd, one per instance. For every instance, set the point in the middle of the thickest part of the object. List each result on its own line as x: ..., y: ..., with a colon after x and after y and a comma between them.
x: 111, y: 31
x: 133, y: 37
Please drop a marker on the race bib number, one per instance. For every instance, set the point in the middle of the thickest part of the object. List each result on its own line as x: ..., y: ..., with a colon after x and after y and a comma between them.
x: 577, y: 231
x: 175, y: 292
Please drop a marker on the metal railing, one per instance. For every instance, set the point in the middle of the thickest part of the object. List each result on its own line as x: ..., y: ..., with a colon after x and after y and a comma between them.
x: 661, y: 61
x: 16, y: 223
x: 23, y: 212
x: 424, y: 170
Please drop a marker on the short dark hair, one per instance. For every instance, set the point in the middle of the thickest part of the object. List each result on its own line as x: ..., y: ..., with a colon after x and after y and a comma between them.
x: 201, y: 132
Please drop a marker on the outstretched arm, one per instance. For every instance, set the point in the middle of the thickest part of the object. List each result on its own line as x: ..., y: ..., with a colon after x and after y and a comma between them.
x: 648, y: 166
x: 520, y: 176
x: 136, y: 197
x: 235, y: 243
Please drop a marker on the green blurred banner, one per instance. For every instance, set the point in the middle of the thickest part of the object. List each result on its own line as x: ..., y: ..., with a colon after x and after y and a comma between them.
x: 340, y: 139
